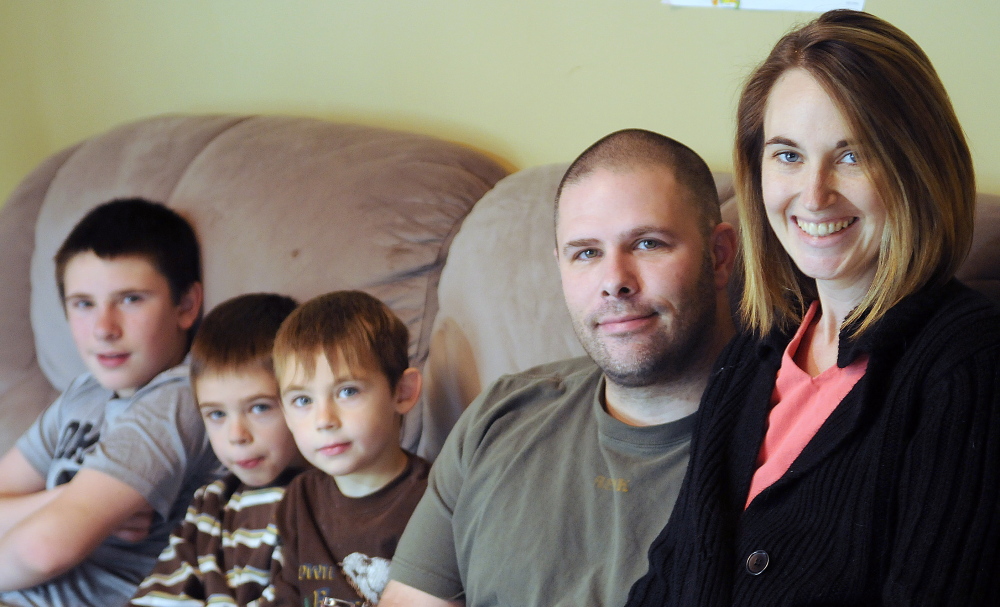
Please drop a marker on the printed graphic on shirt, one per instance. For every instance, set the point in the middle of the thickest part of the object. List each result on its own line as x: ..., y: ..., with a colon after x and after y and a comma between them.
x: 367, y: 575
x: 77, y: 440
x: 611, y: 484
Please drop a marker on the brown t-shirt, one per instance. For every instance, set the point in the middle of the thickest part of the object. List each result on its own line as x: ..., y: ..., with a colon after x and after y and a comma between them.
x: 335, y: 546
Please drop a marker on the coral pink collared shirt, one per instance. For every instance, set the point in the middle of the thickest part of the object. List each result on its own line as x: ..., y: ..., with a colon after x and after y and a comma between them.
x: 800, y: 405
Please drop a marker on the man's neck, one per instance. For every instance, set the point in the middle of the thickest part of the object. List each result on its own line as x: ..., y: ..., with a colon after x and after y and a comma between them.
x: 653, y: 405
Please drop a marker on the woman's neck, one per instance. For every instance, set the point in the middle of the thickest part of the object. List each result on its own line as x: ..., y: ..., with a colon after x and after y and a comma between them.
x: 821, y: 342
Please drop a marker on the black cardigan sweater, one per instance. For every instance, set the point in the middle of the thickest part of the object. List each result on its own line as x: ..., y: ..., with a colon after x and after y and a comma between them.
x: 895, y: 501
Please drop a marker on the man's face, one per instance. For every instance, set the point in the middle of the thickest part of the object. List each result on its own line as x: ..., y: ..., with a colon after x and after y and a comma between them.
x: 124, y: 321
x: 637, y: 274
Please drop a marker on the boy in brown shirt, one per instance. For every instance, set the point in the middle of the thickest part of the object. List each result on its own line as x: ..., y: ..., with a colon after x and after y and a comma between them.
x: 343, y: 370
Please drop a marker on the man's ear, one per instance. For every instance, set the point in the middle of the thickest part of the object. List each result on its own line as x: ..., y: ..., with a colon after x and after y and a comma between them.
x: 189, y: 307
x: 408, y: 390
x: 724, y: 243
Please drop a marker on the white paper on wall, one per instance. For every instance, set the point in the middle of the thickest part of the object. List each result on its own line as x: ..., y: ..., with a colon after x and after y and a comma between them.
x: 811, y: 6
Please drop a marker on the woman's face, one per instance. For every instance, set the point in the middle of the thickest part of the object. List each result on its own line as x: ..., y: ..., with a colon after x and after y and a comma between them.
x: 818, y: 197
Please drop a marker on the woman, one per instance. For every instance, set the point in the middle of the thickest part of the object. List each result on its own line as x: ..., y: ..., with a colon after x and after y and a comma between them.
x: 848, y: 450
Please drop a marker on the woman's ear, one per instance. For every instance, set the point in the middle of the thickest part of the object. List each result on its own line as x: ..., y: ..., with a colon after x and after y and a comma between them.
x: 408, y: 390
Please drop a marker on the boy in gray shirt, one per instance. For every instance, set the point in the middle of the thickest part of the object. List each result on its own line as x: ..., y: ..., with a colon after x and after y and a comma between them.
x: 90, y: 493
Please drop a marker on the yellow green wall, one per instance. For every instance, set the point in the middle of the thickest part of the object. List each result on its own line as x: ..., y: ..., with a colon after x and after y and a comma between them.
x: 532, y: 81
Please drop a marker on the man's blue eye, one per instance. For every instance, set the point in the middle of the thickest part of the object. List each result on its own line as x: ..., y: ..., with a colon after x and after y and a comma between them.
x: 647, y: 244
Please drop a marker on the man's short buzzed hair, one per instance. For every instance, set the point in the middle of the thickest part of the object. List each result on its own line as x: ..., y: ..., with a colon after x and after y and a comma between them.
x: 631, y: 149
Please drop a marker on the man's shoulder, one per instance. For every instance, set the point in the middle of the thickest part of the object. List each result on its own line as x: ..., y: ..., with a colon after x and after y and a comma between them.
x: 569, y: 371
x: 570, y: 381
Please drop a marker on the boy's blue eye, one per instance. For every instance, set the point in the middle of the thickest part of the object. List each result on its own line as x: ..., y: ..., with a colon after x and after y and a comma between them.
x: 131, y: 298
x: 260, y: 408
x: 301, y: 401
x: 347, y: 392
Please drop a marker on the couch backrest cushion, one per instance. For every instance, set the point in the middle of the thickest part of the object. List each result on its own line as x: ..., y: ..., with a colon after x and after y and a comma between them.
x: 292, y: 205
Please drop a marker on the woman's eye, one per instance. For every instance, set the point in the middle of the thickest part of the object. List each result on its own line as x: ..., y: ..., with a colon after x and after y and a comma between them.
x: 849, y: 158
x: 788, y: 156
x: 214, y: 415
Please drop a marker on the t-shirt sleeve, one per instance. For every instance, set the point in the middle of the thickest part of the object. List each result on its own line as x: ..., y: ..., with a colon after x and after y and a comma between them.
x: 38, y: 443
x: 151, y: 444
x: 426, y: 558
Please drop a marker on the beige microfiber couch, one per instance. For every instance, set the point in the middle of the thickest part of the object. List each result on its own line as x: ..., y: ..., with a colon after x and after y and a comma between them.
x: 303, y: 206
x: 292, y: 205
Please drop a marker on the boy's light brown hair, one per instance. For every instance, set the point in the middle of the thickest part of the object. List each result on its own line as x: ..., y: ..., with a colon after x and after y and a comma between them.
x: 349, y: 324
x: 238, y: 334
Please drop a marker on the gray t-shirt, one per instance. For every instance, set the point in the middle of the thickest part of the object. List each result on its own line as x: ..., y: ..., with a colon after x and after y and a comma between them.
x: 539, y: 497
x: 154, y: 442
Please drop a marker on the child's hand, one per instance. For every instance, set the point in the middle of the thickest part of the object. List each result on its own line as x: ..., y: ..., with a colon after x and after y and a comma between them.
x: 135, y: 527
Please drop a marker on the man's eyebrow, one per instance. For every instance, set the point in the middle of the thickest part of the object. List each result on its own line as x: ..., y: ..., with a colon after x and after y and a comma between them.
x: 581, y: 242
x: 640, y: 231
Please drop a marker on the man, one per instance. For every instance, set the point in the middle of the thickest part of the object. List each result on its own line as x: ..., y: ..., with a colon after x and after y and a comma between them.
x: 556, y: 480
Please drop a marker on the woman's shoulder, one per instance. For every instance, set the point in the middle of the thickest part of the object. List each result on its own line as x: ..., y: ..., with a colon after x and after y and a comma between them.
x: 964, y: 322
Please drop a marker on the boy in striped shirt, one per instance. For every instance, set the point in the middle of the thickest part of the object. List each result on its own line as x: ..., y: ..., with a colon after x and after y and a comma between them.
x: 221, y: 553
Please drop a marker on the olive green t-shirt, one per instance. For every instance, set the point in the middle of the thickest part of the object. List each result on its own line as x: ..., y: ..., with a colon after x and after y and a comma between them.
x: 539, y: 497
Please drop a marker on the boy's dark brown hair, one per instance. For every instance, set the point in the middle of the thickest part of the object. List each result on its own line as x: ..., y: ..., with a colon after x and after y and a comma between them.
x: 136, y: 227
x: 239, y: 334
x: 351, y: 324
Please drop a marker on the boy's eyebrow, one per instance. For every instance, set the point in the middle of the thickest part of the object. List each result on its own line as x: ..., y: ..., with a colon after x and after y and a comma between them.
x: 117, y: 293
x: 259, y: 396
